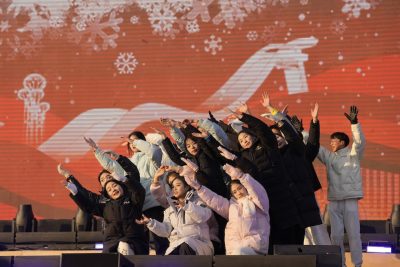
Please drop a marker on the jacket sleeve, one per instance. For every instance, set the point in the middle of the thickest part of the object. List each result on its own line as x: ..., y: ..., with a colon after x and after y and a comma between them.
x: 198, y: 212
x: 312, y: 146
x: 216, y: 202
x: 107, y: 163
x: 150, y: 150
x: 88, y: 202
x: 358, y: 145
x: 323, y: 155
x: 159, y: 193
x: 130, y: 169
x: 137, y: 192
x: 172, y: 153
x: 178, y: 136
x: 216, y: 131
x: 256, y: 191
x: 162, y: 229
x: 262, y: 131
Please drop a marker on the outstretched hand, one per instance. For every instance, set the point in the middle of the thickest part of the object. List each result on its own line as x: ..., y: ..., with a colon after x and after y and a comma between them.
x: 314, y: 113
x: 190, y: 164
x: 90, y: 142
x: 62, y: 171
x: 297, y: 123
x: 234, y: 173
x: 143, y: 220
x: 352, y: 117
x: 202, y: 134
x: 160, y: 132
x: 226, y: 154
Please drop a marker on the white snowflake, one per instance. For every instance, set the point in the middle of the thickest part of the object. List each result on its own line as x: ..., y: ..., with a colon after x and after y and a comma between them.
x: 252, y: 36
x: 213, y: 45
x: 134, y: 20
x: 269, y: 33
x: 230, y: 13
x: 162, y: 18
x: 303, y: 2
x: 200, y: 8
x: 355, y: 6
x: 275, y: 2
x: 181, y: 6
x: 98, y: 31
x: 374, y: 3
x: 338, y: 27
x: 126, y: 63
x: 192, y: 26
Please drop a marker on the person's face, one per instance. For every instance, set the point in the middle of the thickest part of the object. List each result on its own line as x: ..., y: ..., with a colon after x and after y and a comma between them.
x: 104, y: 177
x: 192, y: 147
x: 245, y: 140
x: 114, y: 190
x: 336, y: 144
x: 238, y: 191
x: 279, y: 138
x: 131, y: 146
x: 178, y: 189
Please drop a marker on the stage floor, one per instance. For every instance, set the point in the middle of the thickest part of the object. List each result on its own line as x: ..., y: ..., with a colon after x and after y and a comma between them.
x: 370, y: 259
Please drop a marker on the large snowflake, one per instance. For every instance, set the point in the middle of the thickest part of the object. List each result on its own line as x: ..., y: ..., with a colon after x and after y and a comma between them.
x: 126, y: 63
x: 97, y: 31
x: 354, y: 7
x: 162, y: 19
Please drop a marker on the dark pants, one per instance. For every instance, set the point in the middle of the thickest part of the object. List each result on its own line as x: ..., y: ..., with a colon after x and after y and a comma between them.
x: 161, y: 243
x: 183, y: 249
x: 293, y: 235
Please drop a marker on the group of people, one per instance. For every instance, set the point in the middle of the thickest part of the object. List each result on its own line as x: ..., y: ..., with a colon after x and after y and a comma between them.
x: 236, y: 188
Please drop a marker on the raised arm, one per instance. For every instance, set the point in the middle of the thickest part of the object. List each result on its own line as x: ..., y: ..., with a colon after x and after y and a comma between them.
x: 256, y: 191
x: 150, y: 150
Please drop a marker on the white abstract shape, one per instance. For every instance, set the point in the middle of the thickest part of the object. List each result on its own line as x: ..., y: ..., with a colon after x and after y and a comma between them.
x: 106, y: 125
x: 34, y: 110
x: 192, y: 26
x: 248, y: 78
x: 126, y: 63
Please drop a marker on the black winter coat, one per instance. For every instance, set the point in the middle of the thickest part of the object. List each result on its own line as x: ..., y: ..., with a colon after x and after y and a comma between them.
x: 312, y: 148
x: 298, y: 171
x: 265, y: 155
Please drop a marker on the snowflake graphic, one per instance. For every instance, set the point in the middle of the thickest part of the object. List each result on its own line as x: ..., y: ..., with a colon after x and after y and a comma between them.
x: 181, y: 6
x: 192, y: 26
x: 134, y: 20
x: 13, y: 39
x: 213, y: 45
x: 374, y: 3
x: 126, y: 63
x: 303, y: 2
x: 354, y: 7
x: 200, y: 8
x: 338, y: 27
x: 252, y: 36
x: 98, y: 31
x: 269, y: 33
x: 230, y: 13
x: 275, y: 2
x: 162, y: 18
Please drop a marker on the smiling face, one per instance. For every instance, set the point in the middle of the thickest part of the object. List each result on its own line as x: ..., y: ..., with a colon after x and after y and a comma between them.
x: 114, y: 190
x: 192, y: 147
x: 179, y: 189
x: 238, y: 191
x: 337, y: 144
x: 245, y: 140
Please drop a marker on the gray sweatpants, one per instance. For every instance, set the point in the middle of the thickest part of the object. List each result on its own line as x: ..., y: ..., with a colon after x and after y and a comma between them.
x: 344, y: 213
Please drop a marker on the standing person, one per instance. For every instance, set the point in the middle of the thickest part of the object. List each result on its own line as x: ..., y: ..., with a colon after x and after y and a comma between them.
x: 345, y: 186
x: 147, y: 157
x: 185, y: 222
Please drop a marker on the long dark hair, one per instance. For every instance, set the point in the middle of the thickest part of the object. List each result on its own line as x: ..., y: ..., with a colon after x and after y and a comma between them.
x: 139, y: 135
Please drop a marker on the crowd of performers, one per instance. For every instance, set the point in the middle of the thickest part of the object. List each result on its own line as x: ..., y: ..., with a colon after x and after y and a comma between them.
x: 236, y: 188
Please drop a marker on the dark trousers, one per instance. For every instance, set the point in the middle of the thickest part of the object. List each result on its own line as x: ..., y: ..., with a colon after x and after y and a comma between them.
x: 161, y: 243
x: 183, y: 249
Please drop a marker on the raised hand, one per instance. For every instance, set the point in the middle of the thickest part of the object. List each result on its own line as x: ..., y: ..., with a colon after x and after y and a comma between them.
x: 191, y: 164
x: 203, y: 133
x: 166, y: 122
x: 160, y: 132
x: 176, y: 169
x: 234, y: 173
x: 159, y: 173
x: 265, y: 101
x: 236, y: 115
x: 226, y: 154
x: 352, y: 117
x: 314, y: 113
x: 90, y: 142
x: 243, y: 108
x: 190, y: 178
x: 143, y: 220
x: 212, y: 118
x: 62, y: 171
x: 297, y: 123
